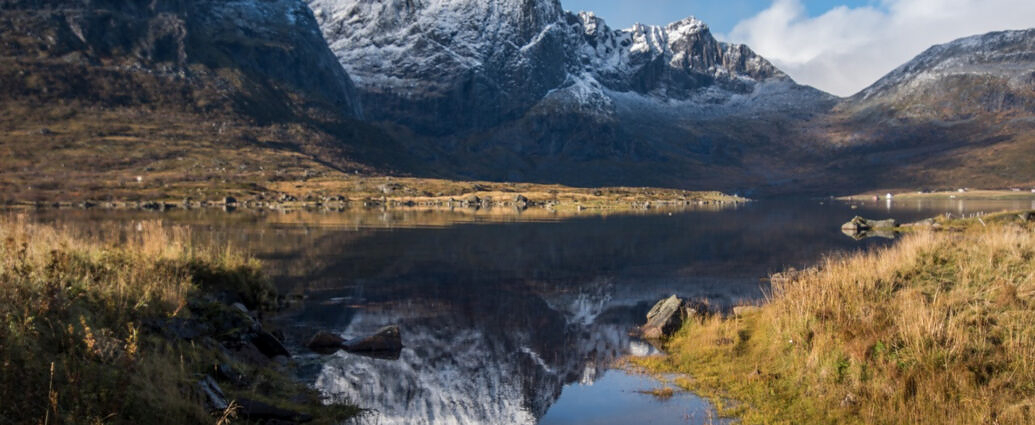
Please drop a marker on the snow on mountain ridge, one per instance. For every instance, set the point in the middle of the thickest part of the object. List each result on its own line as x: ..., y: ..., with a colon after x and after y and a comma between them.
x: 1006, y: 53
x: 401, y: 44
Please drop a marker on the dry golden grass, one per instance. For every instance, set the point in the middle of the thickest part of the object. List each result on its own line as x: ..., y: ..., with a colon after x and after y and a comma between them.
x: 78, y: 308
x: 937, y: 329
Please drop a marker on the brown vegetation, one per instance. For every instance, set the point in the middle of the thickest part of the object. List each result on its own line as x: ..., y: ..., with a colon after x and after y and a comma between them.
x: 78, y: 340
x: 937, y: 329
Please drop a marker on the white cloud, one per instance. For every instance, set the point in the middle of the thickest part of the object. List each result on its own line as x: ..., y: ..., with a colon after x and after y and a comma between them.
x: 846, y: 49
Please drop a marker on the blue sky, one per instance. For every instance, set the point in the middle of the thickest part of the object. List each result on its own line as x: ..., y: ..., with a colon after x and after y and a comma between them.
x: 721, y: 16
x: 840, y: 46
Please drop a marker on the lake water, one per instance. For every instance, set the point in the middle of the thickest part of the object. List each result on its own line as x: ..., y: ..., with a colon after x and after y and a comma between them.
x: 518, y: 320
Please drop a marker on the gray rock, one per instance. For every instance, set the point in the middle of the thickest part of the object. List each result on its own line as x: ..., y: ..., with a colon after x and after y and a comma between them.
x: 215, y: 400
x: 861, y: 228
x: 667, y: 316
x: 860, y: 224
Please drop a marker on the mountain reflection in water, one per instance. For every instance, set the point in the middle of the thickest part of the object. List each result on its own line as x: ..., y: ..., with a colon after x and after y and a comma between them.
x: 499, y: 317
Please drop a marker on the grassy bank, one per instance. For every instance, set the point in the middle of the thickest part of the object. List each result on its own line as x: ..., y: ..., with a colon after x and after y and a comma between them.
x: 936, y: 329
x: 87, y: 328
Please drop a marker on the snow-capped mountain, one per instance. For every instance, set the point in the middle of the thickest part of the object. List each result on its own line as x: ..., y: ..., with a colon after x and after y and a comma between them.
x: 523, y: 90
x: 448, y: 65
x: 997, y: 65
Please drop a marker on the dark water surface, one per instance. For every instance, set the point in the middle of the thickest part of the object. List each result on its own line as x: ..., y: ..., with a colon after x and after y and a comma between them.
x: 508, y: 321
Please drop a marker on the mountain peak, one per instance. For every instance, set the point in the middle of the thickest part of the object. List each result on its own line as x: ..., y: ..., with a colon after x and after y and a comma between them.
x: 687, y: 26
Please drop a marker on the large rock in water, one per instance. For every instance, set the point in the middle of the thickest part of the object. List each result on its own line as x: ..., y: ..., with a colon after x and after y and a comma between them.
x: 385, y: 340
x: 859, y: 224
x: 385, y: 343
x: 667, y: 316
x: 861, y: 228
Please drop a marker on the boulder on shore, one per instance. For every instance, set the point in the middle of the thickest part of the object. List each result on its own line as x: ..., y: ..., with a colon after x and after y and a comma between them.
x: 668, y: 315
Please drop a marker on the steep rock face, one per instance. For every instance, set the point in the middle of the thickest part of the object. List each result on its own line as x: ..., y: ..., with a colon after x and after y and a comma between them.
x: 523, y: 90
x: 275, y: 48
x: 448, y: 66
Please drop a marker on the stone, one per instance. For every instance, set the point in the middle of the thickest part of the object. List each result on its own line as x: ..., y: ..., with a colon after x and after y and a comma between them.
x: 386, y: 339
x: 860, y: 224
x: 230, y: 201
x: 1027, y: 216
x: 664, y: 319
x: 180, y: 328
x: 215, y: 400
x: 521, y: 202
x: 269, y: 345
x: 325, y: 343
x: 861, y: 228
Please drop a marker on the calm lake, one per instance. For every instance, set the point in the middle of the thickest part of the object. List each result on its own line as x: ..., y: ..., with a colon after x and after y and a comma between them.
x: 516, y: 319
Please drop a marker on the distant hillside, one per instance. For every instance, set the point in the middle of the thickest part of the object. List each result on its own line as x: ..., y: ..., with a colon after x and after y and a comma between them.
x: 961, y: 114
x: 197, y: 92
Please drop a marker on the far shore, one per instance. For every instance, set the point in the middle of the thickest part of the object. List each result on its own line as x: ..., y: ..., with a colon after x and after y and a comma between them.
x: 976, y: 194
x: 398, y: 193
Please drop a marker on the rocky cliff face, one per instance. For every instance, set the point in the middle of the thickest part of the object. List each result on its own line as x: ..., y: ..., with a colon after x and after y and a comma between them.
x: 273, y: 48
x: 523, y: 90
x: 449, y: 66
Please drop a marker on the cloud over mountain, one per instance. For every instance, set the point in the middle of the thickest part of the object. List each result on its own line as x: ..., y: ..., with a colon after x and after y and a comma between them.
x: 845, y: 49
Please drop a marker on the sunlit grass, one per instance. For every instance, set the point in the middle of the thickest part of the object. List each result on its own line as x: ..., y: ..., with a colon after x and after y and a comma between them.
x: 937, y: 329
x: 77, y: 313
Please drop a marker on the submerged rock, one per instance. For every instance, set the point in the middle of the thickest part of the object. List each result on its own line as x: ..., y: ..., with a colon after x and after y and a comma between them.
x: 326, y: 343
x: 386, y: 339
x: 385, y: 343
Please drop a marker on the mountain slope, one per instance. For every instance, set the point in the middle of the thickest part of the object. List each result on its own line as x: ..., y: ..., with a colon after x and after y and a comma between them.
x: 200, y: 93
x: 522, y: 90
x: 960, y: 114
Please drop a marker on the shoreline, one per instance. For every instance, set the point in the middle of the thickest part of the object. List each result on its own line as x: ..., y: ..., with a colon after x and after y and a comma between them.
x: 904, y: 334
x: 975, y: 194
x: 388, y: 193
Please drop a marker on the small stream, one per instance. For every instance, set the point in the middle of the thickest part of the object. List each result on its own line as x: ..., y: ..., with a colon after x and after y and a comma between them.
x: 508, y: 321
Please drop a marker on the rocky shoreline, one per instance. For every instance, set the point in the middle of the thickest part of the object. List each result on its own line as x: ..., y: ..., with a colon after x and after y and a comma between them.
x: 284, y: 202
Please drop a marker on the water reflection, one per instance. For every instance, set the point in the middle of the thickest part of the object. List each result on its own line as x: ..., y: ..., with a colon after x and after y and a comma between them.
x: 503, y: 317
